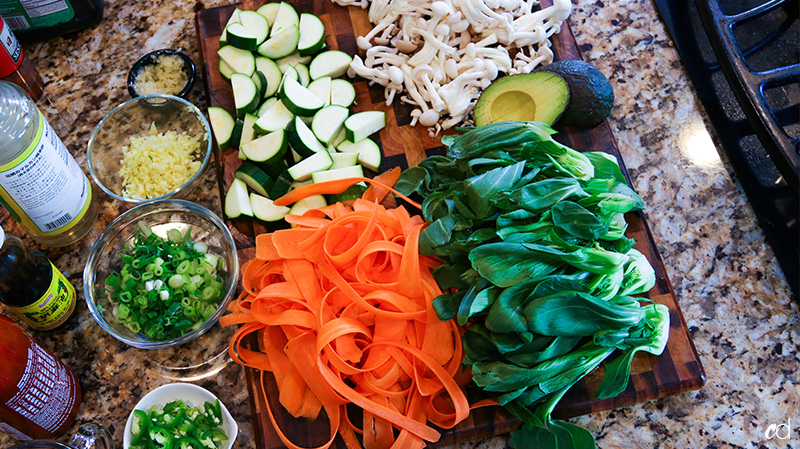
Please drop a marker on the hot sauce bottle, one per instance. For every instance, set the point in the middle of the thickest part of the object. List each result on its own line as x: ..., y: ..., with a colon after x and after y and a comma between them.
x: 14, y: 67
x: 39, y: 395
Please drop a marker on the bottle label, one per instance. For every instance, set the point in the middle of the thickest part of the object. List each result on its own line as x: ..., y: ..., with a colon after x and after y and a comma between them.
x: 44, y: 188
x: 32, y: 14
x: 46, y: 393
x: 53, y: 308
x: 10, y: 51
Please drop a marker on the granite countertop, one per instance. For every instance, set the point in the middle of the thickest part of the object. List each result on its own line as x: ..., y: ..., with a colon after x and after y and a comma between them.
x: 734, y: 297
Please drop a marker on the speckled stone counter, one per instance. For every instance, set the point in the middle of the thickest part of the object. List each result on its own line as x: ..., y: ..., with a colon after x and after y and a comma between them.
x: 734, y: 297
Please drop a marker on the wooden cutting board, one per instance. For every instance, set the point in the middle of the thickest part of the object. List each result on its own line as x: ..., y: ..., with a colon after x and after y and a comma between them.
x: 677, y: 370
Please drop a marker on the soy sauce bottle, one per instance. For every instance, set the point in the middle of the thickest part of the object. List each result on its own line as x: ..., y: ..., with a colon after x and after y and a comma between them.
x: 32, y: 287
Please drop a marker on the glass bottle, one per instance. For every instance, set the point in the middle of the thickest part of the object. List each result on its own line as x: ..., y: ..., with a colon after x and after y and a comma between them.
x: 32, y: 287
x: 15, y: 67
x: 41, y: 185
x: 39, y: 395
x: 34, y: 21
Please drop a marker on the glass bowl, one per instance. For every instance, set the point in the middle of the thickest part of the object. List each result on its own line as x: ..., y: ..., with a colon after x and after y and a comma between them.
x: 134, y: 119
x: 161, y: 216
x: 153, y: 58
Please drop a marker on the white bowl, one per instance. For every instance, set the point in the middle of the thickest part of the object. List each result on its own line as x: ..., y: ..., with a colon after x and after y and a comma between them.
x: 189, y: 393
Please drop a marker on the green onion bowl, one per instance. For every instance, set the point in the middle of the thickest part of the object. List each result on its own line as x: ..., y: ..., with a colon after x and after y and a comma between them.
x: 161, y: 274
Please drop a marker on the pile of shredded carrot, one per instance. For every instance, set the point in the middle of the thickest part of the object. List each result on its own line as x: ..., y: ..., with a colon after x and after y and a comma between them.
x: 341, y: 307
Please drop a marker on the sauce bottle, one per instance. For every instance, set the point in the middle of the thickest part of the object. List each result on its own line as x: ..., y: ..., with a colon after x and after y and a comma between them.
x: 40, y: 20
x: 41, y: 185
x: 39, y: 395
x: 32, y: 287
x: 15, y: 67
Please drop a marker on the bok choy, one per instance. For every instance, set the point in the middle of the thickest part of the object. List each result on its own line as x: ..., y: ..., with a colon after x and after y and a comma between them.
x: 538, y: 268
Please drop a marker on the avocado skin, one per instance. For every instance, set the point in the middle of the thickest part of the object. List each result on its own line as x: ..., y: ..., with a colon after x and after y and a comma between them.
x: 591, y: 96
x: 547, y: 92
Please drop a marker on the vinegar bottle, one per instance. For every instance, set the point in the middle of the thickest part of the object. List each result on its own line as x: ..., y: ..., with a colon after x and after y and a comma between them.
x: 41, y: 185
x: 39, y: 395
x: 32, y: 287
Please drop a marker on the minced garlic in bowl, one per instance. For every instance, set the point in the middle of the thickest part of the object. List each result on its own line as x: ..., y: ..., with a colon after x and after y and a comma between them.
x: 165, y: 71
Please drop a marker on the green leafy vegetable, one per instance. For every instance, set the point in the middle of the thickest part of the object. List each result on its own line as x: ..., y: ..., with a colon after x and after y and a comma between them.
x: 538, y: 269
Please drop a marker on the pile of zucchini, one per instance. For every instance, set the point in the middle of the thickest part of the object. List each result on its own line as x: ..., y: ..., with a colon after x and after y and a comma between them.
x: 293, y: 124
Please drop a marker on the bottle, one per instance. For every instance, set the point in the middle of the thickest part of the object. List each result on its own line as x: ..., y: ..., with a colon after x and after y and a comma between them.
x: 15, y: 67
x: 32, y: 287
x: 39, y: 395
x: 41, y: 185
x: 34, y: 21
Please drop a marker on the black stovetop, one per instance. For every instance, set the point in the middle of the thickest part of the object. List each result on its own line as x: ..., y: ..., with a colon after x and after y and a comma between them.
x: 743, y: 57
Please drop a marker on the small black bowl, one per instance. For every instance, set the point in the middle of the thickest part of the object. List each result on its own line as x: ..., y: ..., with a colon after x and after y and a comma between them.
x: 151, y: 58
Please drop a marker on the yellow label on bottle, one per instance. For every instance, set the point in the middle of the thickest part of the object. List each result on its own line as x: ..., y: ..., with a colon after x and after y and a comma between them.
x: 44, y: 188
x: 53, y: 308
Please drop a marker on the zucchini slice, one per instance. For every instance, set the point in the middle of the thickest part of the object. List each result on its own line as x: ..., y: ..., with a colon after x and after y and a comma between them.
x: 333, y: 63
x: 312, y: 34
x: 292, y: 59
x: 241, y: 37
x: 271, y: 72
x: 369, y: 154
x: 282, y: 185
x: 241, y: 61
x: 265, y: 210
x: 266, y: 105
x: 255, y: 178
x: 261, y: 82
x: 307, y: 204
x: 256, y: 24
x: 226, y: 70
x: 269, y: 11
x: 248, y: 130
x: 301, y: 139
x: 317, y: 162
x: 343, y: 93
x: 275, y: 118
x: 280, y: 44
x: 234, y: 18
x: 299, y: 99
x: 341, y: 160
x: 354, y: 171
x: 246, y: 95
x: 285, y: 17
x: 328, y: 121
x: 267, y: 149
x: 222, y: 124
x: 322, y: 88
x: 237, y: 201
x: 302, y: 72
x: 363, y: 124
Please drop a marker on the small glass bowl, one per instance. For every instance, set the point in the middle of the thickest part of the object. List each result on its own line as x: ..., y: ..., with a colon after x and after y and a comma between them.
x: 133, y: 119
x: 190, y: 394
x: 152, y: 58
x: 160, y: 216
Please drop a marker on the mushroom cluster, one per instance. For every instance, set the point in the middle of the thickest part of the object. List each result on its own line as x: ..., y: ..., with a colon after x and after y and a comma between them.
x: 439, y: 56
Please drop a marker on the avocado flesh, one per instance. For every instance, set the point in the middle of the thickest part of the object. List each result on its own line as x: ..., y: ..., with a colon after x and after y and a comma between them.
x: 538, y: 96
x: 590, y: 94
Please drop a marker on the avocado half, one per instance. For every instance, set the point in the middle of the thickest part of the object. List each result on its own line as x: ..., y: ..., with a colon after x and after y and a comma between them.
x: 590, y: 94
x: 538, y: 96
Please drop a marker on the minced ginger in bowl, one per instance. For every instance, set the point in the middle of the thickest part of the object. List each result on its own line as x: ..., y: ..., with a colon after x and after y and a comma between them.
x: 150, y: 147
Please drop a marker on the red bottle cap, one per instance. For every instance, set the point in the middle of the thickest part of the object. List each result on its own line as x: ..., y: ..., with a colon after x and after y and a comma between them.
x: 10, y: 51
